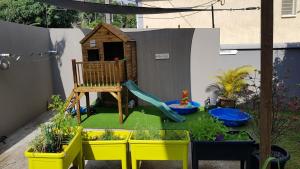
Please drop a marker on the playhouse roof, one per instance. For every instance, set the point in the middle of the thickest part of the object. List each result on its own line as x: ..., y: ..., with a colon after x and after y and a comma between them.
x: 116, y: 31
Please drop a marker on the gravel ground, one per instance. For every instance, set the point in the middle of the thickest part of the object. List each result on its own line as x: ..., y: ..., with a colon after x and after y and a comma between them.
x: 12, y: 153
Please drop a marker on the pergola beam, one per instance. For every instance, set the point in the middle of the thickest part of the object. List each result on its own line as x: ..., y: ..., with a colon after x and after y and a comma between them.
x: 266, y: 78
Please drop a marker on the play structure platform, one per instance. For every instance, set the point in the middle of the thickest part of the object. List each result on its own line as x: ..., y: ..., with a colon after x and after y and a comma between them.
x: 105, y: 77
x: 109, y: 65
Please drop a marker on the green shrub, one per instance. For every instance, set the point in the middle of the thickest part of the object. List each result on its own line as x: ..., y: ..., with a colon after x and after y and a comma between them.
x: 56, y: 133
x: 108, y: 135
x: 159, y: 135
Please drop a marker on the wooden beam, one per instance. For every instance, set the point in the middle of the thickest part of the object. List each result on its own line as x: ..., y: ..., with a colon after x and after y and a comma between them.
x: 267, y: 8
x: 76, y: 99
x: 87, y: 98
x: 78, y: 108
x: 126, y: 104
x: 74, y: 72
x: 98, y: 89
x: 120, y: 108
x: 114, y: 95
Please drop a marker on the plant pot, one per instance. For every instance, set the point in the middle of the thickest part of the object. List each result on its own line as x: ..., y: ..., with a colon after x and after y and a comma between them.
x: 285, y: 156
x: 159, y: 150
x: 72, y: 153
x: 106, y: 149
x: 222, y: 150
x: 225, y: 102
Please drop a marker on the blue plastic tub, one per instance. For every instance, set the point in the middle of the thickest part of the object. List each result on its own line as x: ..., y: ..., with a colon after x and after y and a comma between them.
x: 231, y: 117
x: 193, y: 107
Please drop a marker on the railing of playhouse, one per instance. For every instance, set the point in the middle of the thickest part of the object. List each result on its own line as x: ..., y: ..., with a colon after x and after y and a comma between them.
x: 98, y: 73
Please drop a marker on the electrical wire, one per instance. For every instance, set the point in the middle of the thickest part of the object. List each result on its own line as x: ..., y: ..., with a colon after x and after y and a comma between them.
x: 181, y: 14
x: 205, y: 4
x: 205, y: 10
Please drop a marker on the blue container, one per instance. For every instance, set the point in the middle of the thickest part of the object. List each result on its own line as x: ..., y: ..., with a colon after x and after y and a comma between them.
x: 231, y: 117
x: 73, y: 111
x: 191, y: 108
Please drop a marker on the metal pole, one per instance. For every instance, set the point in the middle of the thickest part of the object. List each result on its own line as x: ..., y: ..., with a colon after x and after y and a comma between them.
x: 212, y: 16
x: 107, y: 15
x: 265, y: 123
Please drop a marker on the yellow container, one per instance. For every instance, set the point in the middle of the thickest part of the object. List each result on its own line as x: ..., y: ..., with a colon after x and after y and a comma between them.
x: 160, y: 149
x: 106, y: 149
x: 72, y: 153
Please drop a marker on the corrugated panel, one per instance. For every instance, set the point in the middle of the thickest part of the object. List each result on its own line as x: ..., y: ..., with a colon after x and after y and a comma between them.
x: 288, y: 7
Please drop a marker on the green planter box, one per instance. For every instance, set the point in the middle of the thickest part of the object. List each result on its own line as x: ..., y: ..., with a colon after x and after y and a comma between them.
x: 159, y: 149
x: 106, y: 149
x: 72, y: 153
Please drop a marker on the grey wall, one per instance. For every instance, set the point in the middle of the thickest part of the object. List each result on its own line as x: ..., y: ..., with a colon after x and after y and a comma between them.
x: 287, y: 57
x: 164, y: 78
x: 27, y: 85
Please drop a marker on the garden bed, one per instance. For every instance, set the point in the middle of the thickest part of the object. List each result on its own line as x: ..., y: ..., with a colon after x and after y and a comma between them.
x: 157, y: 145
x: 106, y: 145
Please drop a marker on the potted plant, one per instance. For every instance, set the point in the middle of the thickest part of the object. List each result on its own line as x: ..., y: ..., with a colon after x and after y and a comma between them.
x: 159, y: 145
x: 59, y: 143
x: 281, y: 123
x: 229, y: 84
x: 105, y: 145
x: 211, y: 140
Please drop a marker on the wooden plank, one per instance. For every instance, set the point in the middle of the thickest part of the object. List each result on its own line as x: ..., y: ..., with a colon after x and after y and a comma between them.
x: 114, y: 95
x: 78, y: 108
x: 67, y: 102
x: 98, y: 89
x: 267, y: 8
x: 102, y: 74
x: 74, y: 72
x: 126, y: 102
x: 109, y: 72
x: 88, y: 108
x: 120, y: 108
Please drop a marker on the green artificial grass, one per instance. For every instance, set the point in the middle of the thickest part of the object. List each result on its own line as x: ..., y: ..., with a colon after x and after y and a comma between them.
x: 139, y: 118
x: 152, y: 118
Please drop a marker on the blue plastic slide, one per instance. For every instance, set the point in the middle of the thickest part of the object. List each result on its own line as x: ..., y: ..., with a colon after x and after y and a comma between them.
x: 133, y: 88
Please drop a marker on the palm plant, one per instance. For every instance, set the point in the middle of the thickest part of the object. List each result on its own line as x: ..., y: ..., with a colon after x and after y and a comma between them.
x: 231, y: 82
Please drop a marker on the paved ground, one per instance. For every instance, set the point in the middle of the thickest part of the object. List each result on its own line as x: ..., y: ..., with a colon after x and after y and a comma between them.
x: 11, y: 153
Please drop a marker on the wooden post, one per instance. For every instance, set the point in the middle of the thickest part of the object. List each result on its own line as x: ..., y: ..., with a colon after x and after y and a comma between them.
x: 120, y: 107
x: 118, y: 73
x: 126, y: 104
x: 78, y: 108
x: 266, y: 79
x: 88, y: 108
x: 74, y: 73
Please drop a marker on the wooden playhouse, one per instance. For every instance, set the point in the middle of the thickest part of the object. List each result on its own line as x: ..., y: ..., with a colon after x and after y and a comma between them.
x: 108, y: 59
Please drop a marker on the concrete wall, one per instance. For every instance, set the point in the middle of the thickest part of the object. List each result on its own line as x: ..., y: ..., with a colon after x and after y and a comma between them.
x: 286, y: 55
x: 164, y: 78
x: 27, y: 85
x: 236, y: 26
x: 204, y: 56
x: 194, y: 61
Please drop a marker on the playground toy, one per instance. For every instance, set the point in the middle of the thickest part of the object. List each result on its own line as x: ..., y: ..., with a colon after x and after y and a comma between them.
x: 231, y: 117
x: 185, y: 105
x: 109, y: 60
x: 185, y: 98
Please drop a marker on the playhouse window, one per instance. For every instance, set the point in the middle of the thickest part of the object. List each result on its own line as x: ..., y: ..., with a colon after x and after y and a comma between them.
x: 93, y: 55
x: 113, y: 50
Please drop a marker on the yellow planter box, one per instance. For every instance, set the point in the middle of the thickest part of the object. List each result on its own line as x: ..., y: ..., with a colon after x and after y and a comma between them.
x: 72, y: 153
x: 159, y: 149
x: 106, y: 149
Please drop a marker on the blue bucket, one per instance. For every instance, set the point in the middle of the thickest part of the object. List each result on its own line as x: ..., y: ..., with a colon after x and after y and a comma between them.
x: 231, y: 117
x: 192, y: 108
